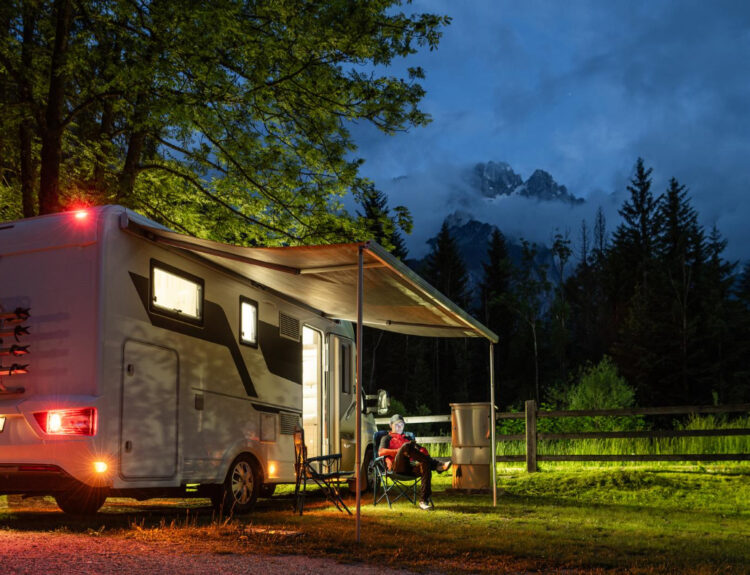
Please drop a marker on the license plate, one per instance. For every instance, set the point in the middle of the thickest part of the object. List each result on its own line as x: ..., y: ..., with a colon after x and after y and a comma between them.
x: 2, y: 424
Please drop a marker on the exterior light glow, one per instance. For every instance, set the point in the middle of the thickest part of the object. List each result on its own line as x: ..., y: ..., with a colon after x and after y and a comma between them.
x: 81, y: 214
x: 54, y: 423
x: 68, y: 421
x: 271, y: 469
x: 100, y: 466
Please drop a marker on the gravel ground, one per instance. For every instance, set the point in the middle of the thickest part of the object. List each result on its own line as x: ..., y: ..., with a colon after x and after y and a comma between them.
x: 23, y: 553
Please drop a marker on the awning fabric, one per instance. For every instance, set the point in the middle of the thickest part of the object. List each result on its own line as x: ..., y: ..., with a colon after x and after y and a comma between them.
x: 325, y: 278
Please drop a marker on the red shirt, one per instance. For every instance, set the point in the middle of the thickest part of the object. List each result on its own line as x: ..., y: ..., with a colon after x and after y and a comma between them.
x: 395, y: 441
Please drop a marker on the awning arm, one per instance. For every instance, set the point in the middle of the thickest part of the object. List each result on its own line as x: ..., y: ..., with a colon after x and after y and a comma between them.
x: 341, y: 268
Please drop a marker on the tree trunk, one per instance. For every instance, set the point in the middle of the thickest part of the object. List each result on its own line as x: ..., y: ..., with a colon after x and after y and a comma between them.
x: 52, y: 131
x: 130, y: 169
x: 536, y: 361
x: 26, y: 127
x: 25, y: 135
x: 105, y: 129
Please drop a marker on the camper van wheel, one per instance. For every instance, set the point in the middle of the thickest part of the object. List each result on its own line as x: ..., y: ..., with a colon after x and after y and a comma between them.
x: 365, y: 474
x: 240, y: 489
x: 82, y: 500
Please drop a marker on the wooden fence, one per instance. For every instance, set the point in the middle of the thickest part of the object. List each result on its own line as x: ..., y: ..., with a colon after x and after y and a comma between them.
x: 532, y: 436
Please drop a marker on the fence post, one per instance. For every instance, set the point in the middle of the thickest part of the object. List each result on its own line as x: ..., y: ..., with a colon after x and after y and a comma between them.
x: 531, y: 436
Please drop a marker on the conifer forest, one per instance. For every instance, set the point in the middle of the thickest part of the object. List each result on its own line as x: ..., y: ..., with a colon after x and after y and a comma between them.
x: 648, y: 313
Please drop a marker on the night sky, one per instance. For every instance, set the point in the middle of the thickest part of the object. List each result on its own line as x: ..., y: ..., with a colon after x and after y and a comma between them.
x: 580, y: 89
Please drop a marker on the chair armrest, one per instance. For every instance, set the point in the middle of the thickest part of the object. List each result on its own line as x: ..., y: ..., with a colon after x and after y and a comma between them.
x: 326, y: 458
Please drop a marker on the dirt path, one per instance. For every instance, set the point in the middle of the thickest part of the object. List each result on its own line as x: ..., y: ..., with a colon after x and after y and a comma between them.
x: 32, y: 553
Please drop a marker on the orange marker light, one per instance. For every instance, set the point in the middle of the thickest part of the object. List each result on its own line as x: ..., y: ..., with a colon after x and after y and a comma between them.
x: 100, y: 466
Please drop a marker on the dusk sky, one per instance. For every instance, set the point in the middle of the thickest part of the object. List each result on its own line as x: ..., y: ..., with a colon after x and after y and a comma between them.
x: 580, y: 89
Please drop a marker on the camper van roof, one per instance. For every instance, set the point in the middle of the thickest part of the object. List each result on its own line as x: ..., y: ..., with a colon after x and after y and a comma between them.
x: 325, y: 278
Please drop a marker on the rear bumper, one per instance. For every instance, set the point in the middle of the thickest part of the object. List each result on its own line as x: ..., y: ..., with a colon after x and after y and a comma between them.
x: 25, y: 478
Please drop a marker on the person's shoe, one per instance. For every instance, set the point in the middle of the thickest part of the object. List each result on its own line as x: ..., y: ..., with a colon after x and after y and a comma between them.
x: 426, y: 506
x: 443, y: 466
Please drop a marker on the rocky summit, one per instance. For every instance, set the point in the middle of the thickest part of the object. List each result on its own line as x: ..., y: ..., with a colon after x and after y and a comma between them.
x: 493, y: 179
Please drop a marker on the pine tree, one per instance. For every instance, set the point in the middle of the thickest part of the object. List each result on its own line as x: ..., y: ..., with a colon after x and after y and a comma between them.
x: 720, y: 327
x: 560, y: 311
x: 738, y: 390
x: 383, y: 352
x: 444, y: 268
x: 633, y: 241
x: 495, y: 313
x: 527, y: 299
x: 590, y: 333
x: 631, y: 263
x: 380, y: 225
x: 680, y: 251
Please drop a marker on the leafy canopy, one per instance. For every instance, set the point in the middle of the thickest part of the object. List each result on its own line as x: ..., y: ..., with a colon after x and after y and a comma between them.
x: 207, y: 116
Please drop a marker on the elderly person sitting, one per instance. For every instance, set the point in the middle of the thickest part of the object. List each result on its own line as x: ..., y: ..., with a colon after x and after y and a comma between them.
x: 404, y: 456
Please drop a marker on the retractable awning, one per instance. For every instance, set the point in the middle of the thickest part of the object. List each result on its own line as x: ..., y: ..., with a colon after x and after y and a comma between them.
x: 359, y: 282
x: 325, y: 279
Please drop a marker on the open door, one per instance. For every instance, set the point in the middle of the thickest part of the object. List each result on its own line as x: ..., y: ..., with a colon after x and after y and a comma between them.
x: 316, y: 397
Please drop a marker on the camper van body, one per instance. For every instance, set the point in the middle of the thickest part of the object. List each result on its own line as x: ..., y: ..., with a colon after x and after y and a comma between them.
x: 152, y: 371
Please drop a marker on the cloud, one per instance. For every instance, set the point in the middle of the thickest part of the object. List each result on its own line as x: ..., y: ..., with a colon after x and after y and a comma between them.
x: 433, y: 195
x: 580, y: 89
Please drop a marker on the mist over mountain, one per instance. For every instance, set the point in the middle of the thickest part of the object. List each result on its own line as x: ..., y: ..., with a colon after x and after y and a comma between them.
x: 472, y: 238
x: 533, y: 207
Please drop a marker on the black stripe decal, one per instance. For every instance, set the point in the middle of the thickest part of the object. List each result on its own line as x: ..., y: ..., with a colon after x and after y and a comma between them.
x: 215, y: 329
x: 282, y: 355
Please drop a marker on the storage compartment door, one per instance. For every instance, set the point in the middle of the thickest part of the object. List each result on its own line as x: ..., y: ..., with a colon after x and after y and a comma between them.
x: 148, y: 443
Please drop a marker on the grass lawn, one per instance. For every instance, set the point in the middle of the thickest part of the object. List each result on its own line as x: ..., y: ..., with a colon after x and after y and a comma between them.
x: 682, y: 519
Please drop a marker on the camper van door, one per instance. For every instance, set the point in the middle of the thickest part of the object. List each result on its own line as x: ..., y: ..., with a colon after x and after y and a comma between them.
x: 148, y: 443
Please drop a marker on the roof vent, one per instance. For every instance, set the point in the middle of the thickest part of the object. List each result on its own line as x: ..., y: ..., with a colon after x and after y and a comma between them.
x: 288, y: 326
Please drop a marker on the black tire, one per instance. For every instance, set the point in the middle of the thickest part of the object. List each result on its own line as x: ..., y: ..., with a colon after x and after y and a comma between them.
x: 83, y: 500
x: 267, y: 489
x: 365, y: 474
x: 240, y: 489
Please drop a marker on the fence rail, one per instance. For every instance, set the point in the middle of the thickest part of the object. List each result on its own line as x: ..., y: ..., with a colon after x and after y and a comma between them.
x: 532, y: 437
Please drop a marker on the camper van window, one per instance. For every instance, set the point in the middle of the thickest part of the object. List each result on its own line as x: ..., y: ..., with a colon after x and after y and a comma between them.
x: 248, y: 322
x: 176, y: 293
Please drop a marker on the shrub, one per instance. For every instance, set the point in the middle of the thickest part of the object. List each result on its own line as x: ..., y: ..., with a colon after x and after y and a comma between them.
x: 600, y: 386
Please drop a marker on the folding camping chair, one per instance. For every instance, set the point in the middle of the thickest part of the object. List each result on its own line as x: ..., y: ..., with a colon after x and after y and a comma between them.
x: 324, y: 471
x: 387, y: 484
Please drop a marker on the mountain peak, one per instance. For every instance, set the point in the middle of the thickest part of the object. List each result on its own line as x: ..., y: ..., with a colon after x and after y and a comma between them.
x: 493, y: 179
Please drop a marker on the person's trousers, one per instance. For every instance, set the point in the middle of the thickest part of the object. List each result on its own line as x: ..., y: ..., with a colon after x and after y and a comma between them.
x: 424, y: 465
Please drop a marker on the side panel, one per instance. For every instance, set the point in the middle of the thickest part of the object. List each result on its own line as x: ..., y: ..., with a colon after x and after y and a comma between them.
x: 150, y: 395
x: 233, y: 398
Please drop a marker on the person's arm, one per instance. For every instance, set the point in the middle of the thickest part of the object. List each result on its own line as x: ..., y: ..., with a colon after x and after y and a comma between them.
x: 383, y: 448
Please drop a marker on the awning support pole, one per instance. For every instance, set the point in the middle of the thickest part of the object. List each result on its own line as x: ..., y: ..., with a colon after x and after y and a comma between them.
x: 493, y: 471
x: 358, y: 391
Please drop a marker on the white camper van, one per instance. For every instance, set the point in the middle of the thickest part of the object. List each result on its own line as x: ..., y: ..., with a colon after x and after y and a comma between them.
x: 133, y: 368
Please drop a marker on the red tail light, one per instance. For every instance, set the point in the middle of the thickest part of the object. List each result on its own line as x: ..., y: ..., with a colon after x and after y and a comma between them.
x: 68, y: 421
